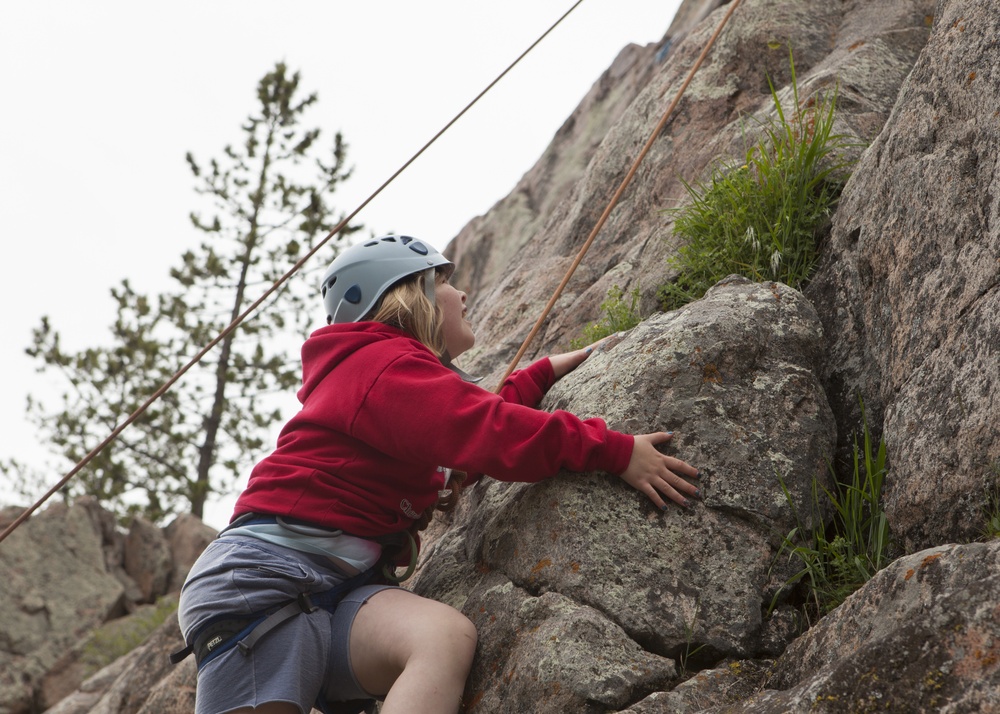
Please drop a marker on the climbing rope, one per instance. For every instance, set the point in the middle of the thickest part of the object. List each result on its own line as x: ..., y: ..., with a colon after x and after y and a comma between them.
x: 270, y: 291
x: 618, y: 194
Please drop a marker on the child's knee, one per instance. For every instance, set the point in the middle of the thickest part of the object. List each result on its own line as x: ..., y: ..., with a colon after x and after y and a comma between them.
x: 461, y: 629
x: 457, y: 639
x: 467, y: 631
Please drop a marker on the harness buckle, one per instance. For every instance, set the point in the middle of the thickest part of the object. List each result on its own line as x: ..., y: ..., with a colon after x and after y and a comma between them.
x: 306, y: 603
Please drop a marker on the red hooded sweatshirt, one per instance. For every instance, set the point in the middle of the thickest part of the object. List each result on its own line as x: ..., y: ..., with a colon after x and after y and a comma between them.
x: 380, y: 414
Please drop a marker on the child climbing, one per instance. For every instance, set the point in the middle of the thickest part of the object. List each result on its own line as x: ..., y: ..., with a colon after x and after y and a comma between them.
x: 293, y: 606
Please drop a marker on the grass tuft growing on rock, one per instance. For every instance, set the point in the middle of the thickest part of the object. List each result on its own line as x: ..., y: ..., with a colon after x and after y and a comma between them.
x: 119, y: 637
x: 759, y: 217
x: 991, y: 512
x: 619, y: 315
x: 838, y: 558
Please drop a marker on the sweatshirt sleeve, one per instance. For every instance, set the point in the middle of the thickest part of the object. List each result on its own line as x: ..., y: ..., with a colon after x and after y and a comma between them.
x: 420, y: 411
x: 527, y: 386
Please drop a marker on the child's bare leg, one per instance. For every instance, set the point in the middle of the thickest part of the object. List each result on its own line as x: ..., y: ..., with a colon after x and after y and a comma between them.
x: 415, y: 651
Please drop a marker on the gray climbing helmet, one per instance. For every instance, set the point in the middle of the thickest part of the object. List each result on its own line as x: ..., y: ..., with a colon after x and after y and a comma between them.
x: 358, y: 277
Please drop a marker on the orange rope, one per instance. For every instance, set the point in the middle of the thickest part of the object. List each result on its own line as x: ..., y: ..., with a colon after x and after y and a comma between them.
x: 614, y: 199
x: 270, y: 291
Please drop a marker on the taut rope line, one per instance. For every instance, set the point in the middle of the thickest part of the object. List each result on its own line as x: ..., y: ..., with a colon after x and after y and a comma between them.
x: 618, y: 194
x: 270, y: 291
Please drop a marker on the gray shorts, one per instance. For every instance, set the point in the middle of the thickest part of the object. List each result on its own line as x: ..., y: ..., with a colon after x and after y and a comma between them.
x: 304, y: 657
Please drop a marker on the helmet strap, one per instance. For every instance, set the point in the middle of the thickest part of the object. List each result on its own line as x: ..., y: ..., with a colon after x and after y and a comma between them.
x: 430, y: 283
x: 466, y: 377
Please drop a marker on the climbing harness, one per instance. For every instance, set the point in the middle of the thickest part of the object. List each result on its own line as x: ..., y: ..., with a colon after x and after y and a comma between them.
x: 618, y: 194
x: 221, y: 633
x: 224, y: 632
x: 270, y: 291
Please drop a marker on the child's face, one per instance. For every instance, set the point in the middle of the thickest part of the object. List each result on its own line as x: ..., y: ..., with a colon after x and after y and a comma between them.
x: 458, y: 335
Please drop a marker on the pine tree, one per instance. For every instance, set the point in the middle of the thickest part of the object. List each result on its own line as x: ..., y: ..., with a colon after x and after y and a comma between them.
x: 269, y: 205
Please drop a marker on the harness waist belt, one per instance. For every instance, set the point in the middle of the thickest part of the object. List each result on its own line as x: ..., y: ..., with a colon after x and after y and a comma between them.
x: 223, y: 632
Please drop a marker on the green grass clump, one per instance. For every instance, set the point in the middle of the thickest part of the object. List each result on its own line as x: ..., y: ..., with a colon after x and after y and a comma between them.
x: 759, y: 217
x: 119, y: 637
x: 991, y: 513
x: 619, y: 315
x: 838, y: 558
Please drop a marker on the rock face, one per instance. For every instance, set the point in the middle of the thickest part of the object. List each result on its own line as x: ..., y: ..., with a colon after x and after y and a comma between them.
x: 923, y: 635
x: 64, y: 575
x: 56, y: 585
x: 588, y: 599
x: 866, y: 48
x: 909, y: 289
x: 589, y: 562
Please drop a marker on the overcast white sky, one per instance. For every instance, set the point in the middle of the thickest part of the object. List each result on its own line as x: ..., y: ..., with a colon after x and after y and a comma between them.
x: 105, y: 97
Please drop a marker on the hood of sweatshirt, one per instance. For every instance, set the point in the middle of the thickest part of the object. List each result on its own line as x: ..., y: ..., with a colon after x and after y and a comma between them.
x: 327, y: 347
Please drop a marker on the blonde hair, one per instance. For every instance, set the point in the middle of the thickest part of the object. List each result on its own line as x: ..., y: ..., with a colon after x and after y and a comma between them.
x: 405, y: 305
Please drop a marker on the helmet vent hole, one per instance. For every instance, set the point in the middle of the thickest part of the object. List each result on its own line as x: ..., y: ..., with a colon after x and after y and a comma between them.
x: 405, y: 240
x: 370, y: 243
x: 353, y: 294
x: 389, y: 239
x: 418, y: 247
